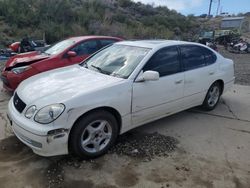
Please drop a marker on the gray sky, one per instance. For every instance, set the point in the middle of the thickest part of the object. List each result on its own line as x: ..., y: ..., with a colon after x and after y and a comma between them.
x: 198, y: 7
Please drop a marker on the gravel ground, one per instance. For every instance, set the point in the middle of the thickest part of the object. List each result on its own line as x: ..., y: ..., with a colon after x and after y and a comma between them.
x: 242, y: 66
x: 135, y: 145
x: 209, y: 148
x: 144, y: 146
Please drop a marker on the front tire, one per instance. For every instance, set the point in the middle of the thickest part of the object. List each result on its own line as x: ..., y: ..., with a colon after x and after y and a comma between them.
x: 212, y: 97
x: 93, y: 134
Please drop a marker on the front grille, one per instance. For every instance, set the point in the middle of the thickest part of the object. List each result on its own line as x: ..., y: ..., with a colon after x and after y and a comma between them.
x: 18, y: 103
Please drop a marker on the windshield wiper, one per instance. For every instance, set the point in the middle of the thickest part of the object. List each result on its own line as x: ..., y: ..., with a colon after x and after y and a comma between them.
x: 85, y: 65
x: 100, y: 70
x: 45, y: 53
x: 117, y: 75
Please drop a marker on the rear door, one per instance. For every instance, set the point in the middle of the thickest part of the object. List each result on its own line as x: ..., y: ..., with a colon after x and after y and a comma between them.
x: 152, y: 99
x: 200, y: 71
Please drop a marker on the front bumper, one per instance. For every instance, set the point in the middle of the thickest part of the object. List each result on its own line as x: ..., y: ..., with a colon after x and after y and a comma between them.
x: 42, y: 143
x: 10, y: 81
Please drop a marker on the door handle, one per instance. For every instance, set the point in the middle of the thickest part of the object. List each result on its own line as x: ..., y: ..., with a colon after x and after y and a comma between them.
x: 178, y: 81
x: 211, y: 73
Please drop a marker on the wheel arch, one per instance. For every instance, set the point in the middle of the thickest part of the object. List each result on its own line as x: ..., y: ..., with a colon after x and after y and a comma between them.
x: 221, y: 82
x: 204, y: 103
x: 111, y: 110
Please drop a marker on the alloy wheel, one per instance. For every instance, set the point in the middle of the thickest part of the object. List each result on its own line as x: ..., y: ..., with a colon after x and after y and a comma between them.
x: 213, y: 95
x: 96, y: 136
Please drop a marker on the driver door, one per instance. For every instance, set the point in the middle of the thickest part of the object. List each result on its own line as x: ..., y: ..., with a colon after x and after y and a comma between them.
x: 154, y: 99
x: 83, y: 50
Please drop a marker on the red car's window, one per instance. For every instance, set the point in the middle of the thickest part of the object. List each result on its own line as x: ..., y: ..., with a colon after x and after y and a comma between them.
x: 86, y: 48
x: 105, y: 42
x: 60, y: 47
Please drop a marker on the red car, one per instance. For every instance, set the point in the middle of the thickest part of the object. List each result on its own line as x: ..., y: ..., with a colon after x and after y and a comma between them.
x: 67, y: 52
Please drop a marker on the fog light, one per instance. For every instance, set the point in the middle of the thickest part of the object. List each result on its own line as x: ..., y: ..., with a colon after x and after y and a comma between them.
x: 57, y: 131
x: 55, y: 134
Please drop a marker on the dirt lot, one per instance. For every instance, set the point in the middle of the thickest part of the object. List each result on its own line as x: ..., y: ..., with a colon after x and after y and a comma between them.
x: 242, y: 66
x: 189, y: 149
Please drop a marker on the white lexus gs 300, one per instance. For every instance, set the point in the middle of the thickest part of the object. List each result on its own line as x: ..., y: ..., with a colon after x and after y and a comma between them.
x: 83, y: 108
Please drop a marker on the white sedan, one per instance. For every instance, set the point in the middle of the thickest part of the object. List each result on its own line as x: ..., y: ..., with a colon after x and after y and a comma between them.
x: 83, y: 108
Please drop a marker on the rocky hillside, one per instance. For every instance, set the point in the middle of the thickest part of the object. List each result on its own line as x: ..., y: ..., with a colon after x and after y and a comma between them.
x: 58, y: 19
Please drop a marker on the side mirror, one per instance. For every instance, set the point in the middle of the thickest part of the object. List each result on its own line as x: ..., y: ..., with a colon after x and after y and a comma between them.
x: 71, y: 54
x: 148, y: 76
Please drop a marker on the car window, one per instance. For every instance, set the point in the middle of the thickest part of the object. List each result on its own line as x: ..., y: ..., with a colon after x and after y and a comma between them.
x: 192, y: 57
x: 60, y: 47
x: 86, y: 48
x: 210, y: 57
x: 116, y: 60
x: 105, y: 42
x: 165, y: 61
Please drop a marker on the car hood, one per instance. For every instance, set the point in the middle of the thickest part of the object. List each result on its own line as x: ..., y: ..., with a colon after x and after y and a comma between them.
x: 25, y: 59
x: 62, y: 84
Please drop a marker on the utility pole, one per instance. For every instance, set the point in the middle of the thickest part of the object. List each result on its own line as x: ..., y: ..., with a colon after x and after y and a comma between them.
x: 210, y: 6
x: 218, y: 8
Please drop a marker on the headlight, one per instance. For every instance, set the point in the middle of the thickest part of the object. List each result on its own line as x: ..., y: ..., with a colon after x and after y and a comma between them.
x: 49, y: 113
x: 19, y: 70
x: 30, y: 112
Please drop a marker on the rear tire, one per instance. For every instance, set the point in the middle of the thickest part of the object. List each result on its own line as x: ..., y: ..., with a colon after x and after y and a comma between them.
x: 93, y: 134
x: 212, y: 97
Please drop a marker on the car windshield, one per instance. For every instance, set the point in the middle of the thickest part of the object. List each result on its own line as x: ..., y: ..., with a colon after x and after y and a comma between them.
x: 116, y: 60
x: 60, y: 47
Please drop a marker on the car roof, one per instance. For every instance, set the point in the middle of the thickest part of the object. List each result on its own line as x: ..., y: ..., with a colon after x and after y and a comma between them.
x: 154, y: 43
x: 81, y: 38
